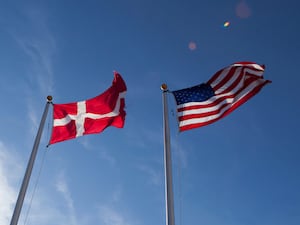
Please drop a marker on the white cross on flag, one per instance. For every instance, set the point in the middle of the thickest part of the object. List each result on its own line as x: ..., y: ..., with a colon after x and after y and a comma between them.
x: 91, y: 116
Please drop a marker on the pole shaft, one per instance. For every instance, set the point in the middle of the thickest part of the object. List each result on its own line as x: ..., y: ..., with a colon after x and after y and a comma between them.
x: 21, y: 196
x: 170, y: 220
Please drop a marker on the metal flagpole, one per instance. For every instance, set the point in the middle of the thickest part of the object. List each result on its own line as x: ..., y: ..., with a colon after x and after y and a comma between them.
x: 170, y: 220
x: 18, y: 206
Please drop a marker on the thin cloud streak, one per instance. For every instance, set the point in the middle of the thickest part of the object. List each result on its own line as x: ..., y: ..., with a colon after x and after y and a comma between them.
x: 33, y: 36
x: 156, y: 176
x: 62, y: 187
x: 102, y: 151
x: 179, y: 153
x: 109, y: 216
x: 105, y: 155
x: 43, y: 209
x: 7, y: 191
x: 37, y: 41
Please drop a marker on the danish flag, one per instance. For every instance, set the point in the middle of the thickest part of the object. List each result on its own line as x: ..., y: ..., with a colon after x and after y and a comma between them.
x: 91, y: 116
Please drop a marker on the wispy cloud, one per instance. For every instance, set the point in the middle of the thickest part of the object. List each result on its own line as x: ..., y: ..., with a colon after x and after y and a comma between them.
x: 29, y: 28
x: 110, y: 216
x: 112, y: 213
x: 42, y: 210
x: 7, y: 190
x: 156, y: 175
x: 45, y: 210
x: 116, y: 195
x: 180, y: 155
x: 85, y: 143
x: 104, y: 154
x: 37, y: 41
x: 144, y: 137
x: 62, y: 187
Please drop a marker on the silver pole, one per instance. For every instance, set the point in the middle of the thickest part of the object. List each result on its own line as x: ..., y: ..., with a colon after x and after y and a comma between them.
x: 19, y: 204
x: 170, y: 220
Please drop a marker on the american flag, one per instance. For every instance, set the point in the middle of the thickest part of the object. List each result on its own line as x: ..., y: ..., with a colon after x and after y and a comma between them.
x: 229, y: 88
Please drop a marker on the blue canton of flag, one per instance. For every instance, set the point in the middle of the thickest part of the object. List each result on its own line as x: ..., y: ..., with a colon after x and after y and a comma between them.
x: 198, y: 93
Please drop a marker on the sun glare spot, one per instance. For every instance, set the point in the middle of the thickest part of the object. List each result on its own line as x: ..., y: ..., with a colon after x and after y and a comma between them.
x: 192, y: 46
x: 226, y: 24
x: 242, y: 10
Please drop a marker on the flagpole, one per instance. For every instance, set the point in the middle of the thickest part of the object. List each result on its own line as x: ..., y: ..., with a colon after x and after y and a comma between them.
x: 170, y: 220
x: 21, y: 196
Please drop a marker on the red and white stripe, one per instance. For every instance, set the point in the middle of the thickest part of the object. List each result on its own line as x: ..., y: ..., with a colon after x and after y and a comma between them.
x: 233, y: 86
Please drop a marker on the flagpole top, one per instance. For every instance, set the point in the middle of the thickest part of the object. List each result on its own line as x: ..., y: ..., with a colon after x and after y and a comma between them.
x: 164, y: 87
x: 49, y: 98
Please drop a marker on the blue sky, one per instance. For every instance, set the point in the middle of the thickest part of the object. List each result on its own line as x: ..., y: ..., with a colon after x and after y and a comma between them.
x: 241, y: 170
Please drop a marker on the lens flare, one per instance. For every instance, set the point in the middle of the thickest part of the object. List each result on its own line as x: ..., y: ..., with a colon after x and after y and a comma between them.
x: 226, y: 24
x: 243, y: 10
x: 192, y: 46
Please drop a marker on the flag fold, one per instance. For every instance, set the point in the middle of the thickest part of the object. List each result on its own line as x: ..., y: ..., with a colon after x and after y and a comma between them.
x: 227, y: 89
x: 91, y: 116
